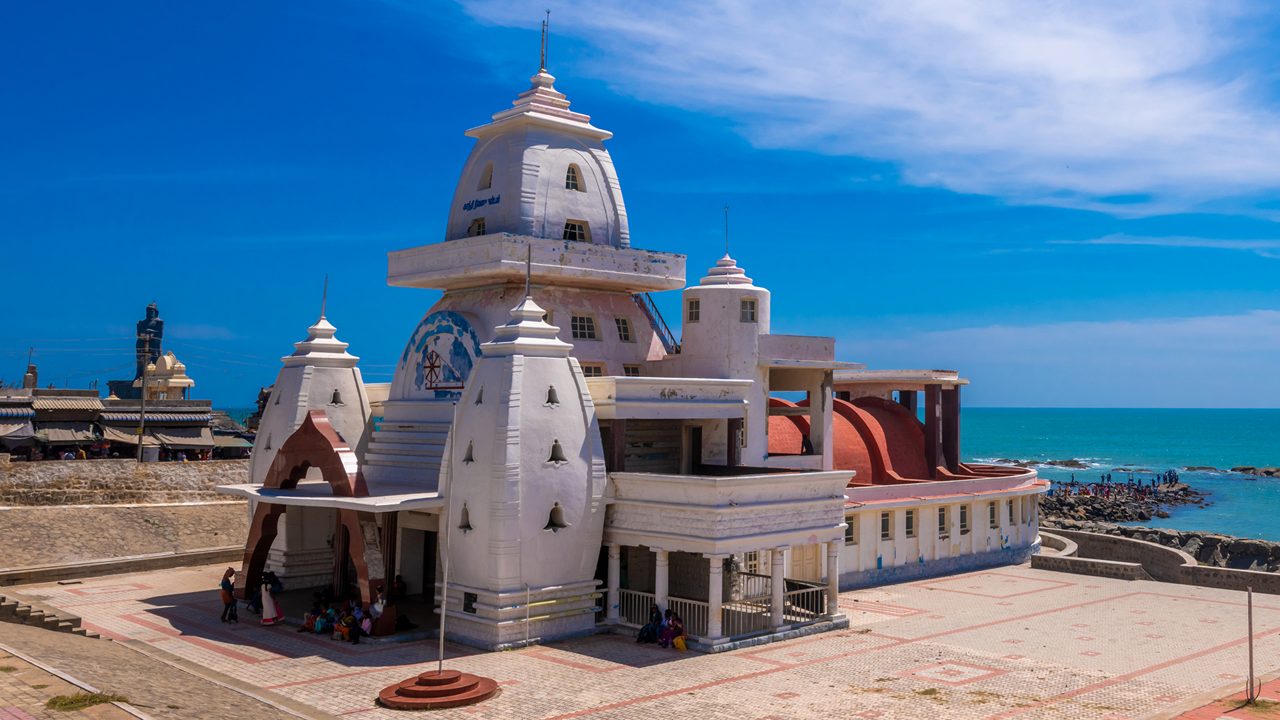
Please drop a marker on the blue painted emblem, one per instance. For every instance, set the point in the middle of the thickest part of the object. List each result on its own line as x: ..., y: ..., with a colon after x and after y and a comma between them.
x: 441, y: 353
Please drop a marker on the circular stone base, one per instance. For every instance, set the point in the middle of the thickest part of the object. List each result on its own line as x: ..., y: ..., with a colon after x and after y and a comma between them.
x: 437, y: 690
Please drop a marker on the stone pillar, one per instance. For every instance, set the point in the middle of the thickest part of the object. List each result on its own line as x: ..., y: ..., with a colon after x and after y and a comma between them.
x: 833, y: 577
x: 956, y: 537
x: 933, y: 428
x: 612, y: 596
x: 715, y: 596
x: 820, y: 421
x: 778, y: 586
x: 660, y: 579
x: 951, y: 428
x: 733, y: 455
x: 908, y: 400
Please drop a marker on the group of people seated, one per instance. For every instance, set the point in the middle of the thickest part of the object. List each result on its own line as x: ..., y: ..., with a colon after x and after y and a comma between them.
x: 666, y: 629
x: 344, y: 620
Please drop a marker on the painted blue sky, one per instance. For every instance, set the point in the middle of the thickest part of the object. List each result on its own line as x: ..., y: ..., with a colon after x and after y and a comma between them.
x: 1075, y: 206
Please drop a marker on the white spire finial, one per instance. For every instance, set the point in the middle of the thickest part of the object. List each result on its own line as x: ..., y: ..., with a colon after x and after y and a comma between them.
x: 324, y: 296
x: 546, y: 24
x: 726, y: 231
x: 528, y: 270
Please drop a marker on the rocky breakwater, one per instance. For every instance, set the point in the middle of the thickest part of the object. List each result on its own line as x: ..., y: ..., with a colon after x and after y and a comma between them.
x: 1210, y: 549
x: 1120, y: 505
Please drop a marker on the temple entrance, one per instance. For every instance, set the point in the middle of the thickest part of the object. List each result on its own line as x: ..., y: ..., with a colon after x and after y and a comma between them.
x: 418, y: 557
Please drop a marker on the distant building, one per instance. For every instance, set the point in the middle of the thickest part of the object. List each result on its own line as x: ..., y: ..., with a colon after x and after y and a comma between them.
x: 578, y: 463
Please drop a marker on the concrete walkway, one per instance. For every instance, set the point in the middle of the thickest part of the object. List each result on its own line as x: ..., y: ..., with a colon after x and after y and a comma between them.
x: 1008, y: 643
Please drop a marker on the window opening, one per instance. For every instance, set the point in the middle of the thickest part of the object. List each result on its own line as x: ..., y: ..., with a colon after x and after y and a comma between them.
x: 577, y: 230
x: 631, y: 370
x: 476, y: 227
x: 886, y: 526
x: 964, y: 519
x: 693, y: 311
x: 747, y: 311
x: 992, y: 520
x: 572, y: 179
x: 911, y: 523
x: 944, y: 529
x: 624, y: 329
x: 593, y: 370
x: 851, y: 530
x: 486, y: 178
x: 583, y: 327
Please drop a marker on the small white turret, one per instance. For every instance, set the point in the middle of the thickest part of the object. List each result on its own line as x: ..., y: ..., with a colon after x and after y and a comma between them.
x: 724, y: 316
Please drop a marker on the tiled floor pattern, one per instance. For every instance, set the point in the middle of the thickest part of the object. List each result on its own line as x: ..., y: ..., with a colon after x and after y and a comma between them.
x: 1010, y: 643
x: 24, y: 689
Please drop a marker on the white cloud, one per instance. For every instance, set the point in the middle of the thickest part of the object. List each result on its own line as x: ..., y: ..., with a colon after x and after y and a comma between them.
x: 1204, y: 361
x: 1264, y: 248
x: 1069, y: 103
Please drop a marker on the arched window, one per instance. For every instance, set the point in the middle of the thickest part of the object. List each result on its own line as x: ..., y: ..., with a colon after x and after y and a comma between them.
x: 573, y: 179
x: 576, y: 230
x: 486, y: 178
x: 476, y: 227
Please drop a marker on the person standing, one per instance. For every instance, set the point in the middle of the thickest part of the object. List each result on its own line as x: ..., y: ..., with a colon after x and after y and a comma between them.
x: 271, y: 614
x: 227, y: 590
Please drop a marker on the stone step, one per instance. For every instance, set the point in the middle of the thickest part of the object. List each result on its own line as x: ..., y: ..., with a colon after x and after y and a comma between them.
x: 7, y: 608
x: 416, y: 462
x: 65, y: 626
x: 423, y: 427
x: 35, y: 617
x: 22, y: 612
x: 399, y: 448
x: 414, y: 436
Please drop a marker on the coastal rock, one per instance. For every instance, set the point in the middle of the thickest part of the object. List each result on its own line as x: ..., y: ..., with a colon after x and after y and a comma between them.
x: 1207, y: 548
x: 1200, y: 468
x: 1258, y: 471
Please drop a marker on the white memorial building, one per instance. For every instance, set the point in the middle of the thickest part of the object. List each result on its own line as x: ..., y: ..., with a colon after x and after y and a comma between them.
x: 575, y: 464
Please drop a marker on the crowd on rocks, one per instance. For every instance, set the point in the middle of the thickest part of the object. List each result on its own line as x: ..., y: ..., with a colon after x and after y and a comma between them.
x: 1129, y: 500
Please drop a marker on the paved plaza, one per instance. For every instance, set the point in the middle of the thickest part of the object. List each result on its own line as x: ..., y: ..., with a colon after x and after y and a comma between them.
x: 1006, y: 643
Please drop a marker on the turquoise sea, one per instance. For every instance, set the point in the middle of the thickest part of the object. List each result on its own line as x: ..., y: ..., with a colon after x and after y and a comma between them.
x: 1154, y: 440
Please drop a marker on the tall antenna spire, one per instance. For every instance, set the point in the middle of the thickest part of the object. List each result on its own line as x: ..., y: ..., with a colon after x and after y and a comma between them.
x: 528, y: 269
x: 726, y: 230
x: 546, y: 24
x: 324, y: 298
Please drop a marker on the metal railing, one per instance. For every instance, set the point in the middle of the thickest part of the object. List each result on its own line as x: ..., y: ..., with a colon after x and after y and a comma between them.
x: 751, y: 586
x: 740, y: 618
x: 633, y: 607
x: 804, y: 605
x: 694, y: 613
x: 668, y: 338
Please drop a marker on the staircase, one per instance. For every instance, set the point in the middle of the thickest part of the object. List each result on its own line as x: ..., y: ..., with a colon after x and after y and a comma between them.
x: 13, y: 610
x: 650, y: 310
x: 408, y: 444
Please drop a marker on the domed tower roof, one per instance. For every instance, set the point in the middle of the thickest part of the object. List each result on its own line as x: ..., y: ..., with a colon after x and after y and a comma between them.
x: 540, y: 169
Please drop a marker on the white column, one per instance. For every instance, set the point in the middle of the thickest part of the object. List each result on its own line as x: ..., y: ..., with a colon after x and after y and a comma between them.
x: 715, y: 595
x: 777, y: 585
x: 833, y: 577
x: 612, y: 597
x: 956, y: 538
x: 660, y: 585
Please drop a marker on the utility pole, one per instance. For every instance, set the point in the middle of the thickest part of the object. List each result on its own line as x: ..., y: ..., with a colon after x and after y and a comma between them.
x: 142, y: 408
